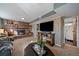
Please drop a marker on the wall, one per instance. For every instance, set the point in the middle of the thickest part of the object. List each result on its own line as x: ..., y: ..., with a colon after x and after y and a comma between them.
x: 1, y: 23
x: 58, y: 28
x: 78, y: 31
x: 34, y: 30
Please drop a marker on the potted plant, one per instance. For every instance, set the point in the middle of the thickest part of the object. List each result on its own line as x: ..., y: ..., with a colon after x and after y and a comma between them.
x: 41, y: 43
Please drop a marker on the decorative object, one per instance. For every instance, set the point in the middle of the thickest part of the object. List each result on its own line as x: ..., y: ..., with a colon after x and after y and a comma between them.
x: 39, y: 47
x: 40, y: 42
x: 40, y: 51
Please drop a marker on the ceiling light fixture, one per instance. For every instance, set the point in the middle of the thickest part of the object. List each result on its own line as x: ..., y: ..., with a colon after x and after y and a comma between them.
x: 22, y: 18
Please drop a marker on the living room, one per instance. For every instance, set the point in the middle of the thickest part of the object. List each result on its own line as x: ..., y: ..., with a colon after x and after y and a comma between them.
x: 21, y: 26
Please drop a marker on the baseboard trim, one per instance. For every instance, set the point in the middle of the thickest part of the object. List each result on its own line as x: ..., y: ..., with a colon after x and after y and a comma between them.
x: 58, y: 45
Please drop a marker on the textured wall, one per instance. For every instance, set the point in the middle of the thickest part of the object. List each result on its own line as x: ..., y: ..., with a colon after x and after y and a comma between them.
x: 59, y: 31
x: 1, y: 23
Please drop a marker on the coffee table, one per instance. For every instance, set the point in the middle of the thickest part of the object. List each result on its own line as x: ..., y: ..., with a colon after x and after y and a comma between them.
x: 29, y: 51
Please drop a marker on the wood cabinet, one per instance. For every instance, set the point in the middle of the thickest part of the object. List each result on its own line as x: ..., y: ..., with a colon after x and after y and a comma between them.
x: 30, y: 27
x: 22, y: 25
x: 16, y: 24
x: 11, y: 26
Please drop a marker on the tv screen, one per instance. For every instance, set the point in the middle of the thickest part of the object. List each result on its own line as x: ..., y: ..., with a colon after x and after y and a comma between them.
x: 47, y: 26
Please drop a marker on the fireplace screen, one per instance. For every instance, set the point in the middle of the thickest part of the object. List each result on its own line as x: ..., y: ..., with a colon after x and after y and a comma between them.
x: 20, y: 31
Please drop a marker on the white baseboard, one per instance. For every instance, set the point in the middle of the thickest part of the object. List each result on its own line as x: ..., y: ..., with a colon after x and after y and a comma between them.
x: 58, y: 45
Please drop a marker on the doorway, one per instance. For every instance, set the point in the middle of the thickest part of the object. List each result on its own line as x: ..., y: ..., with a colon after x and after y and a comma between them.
x: 70, y: 28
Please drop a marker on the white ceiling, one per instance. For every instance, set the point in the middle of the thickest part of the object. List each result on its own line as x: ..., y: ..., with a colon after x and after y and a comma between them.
x: 31, y: 11
x: 71, y: 9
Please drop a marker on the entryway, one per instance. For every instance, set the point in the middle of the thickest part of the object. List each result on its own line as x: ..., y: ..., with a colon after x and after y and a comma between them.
x: 70, y: 26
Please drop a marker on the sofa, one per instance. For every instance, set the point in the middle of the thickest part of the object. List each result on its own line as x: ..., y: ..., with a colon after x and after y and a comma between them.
x: 5, y: 47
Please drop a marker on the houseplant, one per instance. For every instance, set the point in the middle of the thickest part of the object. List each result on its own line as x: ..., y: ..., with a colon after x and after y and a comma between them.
x: 41, y: 45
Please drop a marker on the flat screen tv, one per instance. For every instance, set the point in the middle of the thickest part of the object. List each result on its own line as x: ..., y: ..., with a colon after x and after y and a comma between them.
x: 47, y: 26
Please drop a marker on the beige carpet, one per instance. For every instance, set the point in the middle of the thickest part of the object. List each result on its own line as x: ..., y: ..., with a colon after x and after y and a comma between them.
x: 20, y: 44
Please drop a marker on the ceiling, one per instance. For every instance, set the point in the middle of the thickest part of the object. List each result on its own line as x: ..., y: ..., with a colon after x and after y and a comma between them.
x: 31, y: 11
x: 28, y: 11
x: 71, y: 9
